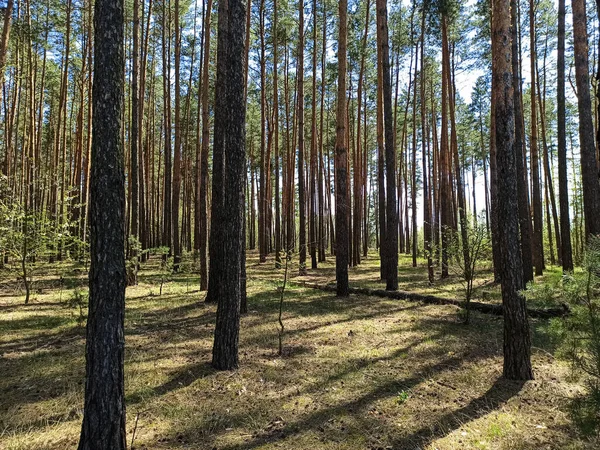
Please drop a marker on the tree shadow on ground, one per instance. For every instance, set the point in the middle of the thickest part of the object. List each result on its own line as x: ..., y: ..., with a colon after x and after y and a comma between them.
x: 499, y: 393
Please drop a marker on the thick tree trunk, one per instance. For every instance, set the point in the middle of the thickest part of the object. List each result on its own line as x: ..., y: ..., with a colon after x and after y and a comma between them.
x: 391, y: 243
x: 589, y: 164
x: 522, y: 188
x: 104, y: 411
x: 225, y: 349
x: 517, y: 343
x: 342, y: 204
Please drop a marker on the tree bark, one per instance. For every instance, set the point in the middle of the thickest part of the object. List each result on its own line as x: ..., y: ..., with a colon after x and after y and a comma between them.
x: 225, y: 348
x: 300, y: 100
x: 522, y: 188
x: 104, y: 410
x: 391, y: 243
x: 341, y: 161
x: 517, y: 341
x: 589, y: 164
x: 563, y: 188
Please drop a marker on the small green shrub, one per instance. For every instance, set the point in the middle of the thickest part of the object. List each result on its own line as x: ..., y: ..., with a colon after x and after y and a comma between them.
x: 580, y: 332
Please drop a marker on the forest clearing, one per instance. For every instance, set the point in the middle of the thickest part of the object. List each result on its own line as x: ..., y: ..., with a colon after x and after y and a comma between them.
x: 361, y: 372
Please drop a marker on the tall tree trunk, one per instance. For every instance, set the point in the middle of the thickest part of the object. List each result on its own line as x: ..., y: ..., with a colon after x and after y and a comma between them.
x: 563, y: 188
x: 225, y: 348
x: 538, y: 225
x: 262, y: 193
x: 381, y: 204
x: 300, y: 100
x: 390, y: 151
x: 424, y: 150
x: 341, y: 161
x: 517, y: 342
x: 218, y: 263
x: 167, y: 176
x: 176, y: 192
x: 134, y: 139
x: 522, y: 188
x: 8, y: 12
x: 276, y: 136
x: 103, y: 424
x: 203, y: 181
x: 589, y: 164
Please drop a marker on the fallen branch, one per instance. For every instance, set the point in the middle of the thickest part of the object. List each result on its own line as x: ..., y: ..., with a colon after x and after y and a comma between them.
x: 485, y: 308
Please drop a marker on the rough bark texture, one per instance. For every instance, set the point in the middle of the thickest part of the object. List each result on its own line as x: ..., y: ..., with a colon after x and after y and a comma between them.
x: 522, y: 189
x: 342, y: 205
x: 589, y: 169
x: 517, y: 342
x: 301, y: 182
x: 391, y: 253
x: 536, y: 193
x: 204, y: 156
x: 225, y: 349
x: 217, y: 261
x: 563, y: 188
x: 104, y: 411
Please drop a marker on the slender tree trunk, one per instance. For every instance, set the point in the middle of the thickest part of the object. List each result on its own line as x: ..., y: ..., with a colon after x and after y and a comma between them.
x: 538, y: 225
x: 563, y: 188
x: 276, y: 136
x: 167, y: 176
x: 218, y: 262
x: 8, y: 12
x: 300, y: 99
x: 381, y: 166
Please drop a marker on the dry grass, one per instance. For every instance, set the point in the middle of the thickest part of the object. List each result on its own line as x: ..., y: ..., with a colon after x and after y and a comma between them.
x: 360, y: 373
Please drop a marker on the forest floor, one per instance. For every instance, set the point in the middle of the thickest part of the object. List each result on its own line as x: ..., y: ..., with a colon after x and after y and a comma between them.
x: 357, y: 373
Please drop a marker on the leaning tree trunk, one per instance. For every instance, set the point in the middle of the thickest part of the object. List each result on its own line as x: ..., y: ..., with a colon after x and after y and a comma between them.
x: 517, y: 342
x: 104, y: 411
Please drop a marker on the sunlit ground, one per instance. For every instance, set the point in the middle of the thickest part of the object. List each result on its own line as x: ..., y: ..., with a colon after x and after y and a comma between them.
x: 357, y: 373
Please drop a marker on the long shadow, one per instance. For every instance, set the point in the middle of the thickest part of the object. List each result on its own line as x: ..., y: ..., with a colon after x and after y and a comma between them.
x: 355, y: 407
x: 499, y: 393
x: 181, y: 378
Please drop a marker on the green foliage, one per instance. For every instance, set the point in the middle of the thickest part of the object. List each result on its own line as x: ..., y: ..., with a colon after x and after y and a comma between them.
x: 580, y: 333
x: 402, y: 397
x: 478, y: 246
x: 166, y: 264
x: 79, y: 301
